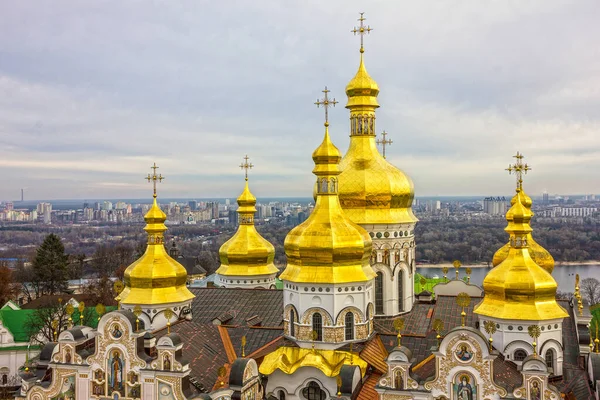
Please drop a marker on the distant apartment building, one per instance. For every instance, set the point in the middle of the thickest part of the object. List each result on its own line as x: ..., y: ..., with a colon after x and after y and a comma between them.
x: 545, y: 198
x: 495, y: 205
x: 567, y: 212
x: 44, y: 211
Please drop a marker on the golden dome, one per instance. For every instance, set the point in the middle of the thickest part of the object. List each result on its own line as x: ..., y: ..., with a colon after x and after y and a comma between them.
x: 362, y: 90
x: 328, y: 247
x: 155, y: 278
x: 372, y: 191
x: 540, y: 255
x: 247, y: 253
x: 518, y: 288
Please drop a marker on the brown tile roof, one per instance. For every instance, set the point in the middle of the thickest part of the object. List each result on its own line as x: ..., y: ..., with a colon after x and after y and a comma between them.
x: 506, y: 374
x: 374, y: 353
x: 242, y: 304
x: 367, y: 391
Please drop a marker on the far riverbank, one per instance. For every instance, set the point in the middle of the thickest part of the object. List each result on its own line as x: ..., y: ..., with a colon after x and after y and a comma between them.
x: 488, y: 265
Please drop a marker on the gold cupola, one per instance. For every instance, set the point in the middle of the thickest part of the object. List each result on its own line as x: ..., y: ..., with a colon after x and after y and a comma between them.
x: 518, y: 288
x: 372, y: 191
x: 155, y: 278
x: 247, y: 253
x: 540, y: 255
x: 328, y: 247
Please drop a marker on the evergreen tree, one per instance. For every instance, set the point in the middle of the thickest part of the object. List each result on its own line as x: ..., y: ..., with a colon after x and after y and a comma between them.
x: 50, y: 266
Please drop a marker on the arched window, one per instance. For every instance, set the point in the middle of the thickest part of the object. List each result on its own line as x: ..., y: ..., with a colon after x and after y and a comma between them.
x: 313, y: 392
x: 379, y: 293
x: 401, y: 291
x: 317, y: 325
x: 368, y: 320
x: 281, y: 395
x: 292, y: 322
x: 5, y: 379
x: 398, y: 380
x: 520, y: 355
x: 549, y: 358
x: 349, y: 326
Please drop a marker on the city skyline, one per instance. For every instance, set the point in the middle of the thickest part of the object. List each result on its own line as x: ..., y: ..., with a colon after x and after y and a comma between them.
x: 92, y: 95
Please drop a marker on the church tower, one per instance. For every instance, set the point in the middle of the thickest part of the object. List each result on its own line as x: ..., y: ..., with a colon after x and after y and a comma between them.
x: 155, y: 284
x: 247, y: 258
x: 519, y: 295
x: 327, y: 294
x: 378, y: 196
x: 328, y: 282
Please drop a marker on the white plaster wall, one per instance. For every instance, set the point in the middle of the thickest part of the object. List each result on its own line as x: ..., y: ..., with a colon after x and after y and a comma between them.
x: 293, y: 384
x: 246, y: 282
x: 14, y: 359
x: 156, y: 311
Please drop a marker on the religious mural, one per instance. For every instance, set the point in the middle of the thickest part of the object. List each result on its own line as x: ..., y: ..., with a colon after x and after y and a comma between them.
x: 165, y: 391
x: 115, y: 373
x: 464, y: 353
x: 464, y: 387
x: 535, y: 390
x: 67, y: 390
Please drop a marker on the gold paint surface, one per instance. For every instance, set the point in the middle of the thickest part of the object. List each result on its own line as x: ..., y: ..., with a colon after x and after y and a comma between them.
x: 371, y: 191
x: 328, y: 247
x: 329, y: 362
x: 247, y: 253
x: 518, y: 288
x: 538, y: 253
x: 155, y: 278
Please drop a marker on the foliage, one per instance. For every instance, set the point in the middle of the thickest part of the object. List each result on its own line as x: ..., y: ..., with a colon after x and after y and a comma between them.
x: 590, y: 290
x: 50, y: 266
x: 39, y: 324
x: 100, y: 291
x: 7, y: 285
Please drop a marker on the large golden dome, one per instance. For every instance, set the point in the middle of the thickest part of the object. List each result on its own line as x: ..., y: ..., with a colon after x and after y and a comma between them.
x: 155, y: 278
x: 518, y: 288
x: 247, y: 253
x: 328, y: 247
x: 372, y: 191
x: 540, y: 255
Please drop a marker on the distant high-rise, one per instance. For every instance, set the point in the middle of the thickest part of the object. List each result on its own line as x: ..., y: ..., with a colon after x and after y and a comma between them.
x: 545, y: 198
x: 193, y: 205
x: 495, y: 205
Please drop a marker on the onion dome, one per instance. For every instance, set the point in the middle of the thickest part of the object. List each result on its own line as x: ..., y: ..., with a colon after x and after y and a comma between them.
x: 540, y: 255
x: 518, y: 288
x: 247, y: 253
x: 328, y: 247
x: 155, y: 278
x: 372, y: 191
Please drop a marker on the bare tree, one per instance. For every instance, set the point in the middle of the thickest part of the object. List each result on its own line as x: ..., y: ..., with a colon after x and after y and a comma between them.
x: 590, y: 290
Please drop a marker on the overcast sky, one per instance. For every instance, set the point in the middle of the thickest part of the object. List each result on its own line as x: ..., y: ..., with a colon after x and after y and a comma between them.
x: 93, y: 92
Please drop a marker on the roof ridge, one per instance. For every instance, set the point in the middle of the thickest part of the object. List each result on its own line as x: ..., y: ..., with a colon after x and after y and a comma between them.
x: 251, y: 355
x: 229, y: 350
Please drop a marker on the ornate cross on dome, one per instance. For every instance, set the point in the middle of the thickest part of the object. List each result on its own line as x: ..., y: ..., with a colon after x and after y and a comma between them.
x: 326, y: 103
x: 383, y: 142
x: 519, y: 169
x: 246, y: 165
x: 361, y: 30
x: 154, y: 178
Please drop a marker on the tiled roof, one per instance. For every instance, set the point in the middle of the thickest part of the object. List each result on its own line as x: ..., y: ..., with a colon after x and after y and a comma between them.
x: 506, y: 374
x: 367, y: 392
x: 242, y: 304
x: 375, y: 353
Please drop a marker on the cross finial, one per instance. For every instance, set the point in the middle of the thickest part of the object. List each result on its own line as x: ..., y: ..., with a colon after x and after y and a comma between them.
x: 245, y: 165
x: 326, y: 103
x: 384, y: 142
x: 519, y: 169
x: 154, y: 178
x: 362, y: 30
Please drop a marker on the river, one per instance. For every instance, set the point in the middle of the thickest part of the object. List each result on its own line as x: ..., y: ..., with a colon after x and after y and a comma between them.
x: 563, y: 274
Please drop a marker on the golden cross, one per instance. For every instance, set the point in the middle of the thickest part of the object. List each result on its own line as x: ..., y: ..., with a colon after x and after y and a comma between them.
x: 383, y: 142
x: 326, y: 103
x: 154, y: 178
x: 519, y: 169
x: 361, y: 30
x: 246, y: 165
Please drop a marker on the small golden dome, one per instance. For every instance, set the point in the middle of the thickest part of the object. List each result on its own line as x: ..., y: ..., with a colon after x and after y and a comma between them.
x: 538, y: 253
x: 362, y: 90
x: 247, y: 253
x: 155, y: 278
x: 518, y: 288
x: 328, y: 247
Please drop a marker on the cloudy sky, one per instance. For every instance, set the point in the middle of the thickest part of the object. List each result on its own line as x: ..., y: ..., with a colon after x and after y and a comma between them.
x: 93, y: 92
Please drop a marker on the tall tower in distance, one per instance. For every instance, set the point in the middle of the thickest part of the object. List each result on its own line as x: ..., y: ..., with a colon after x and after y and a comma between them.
x: 378, y: 196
